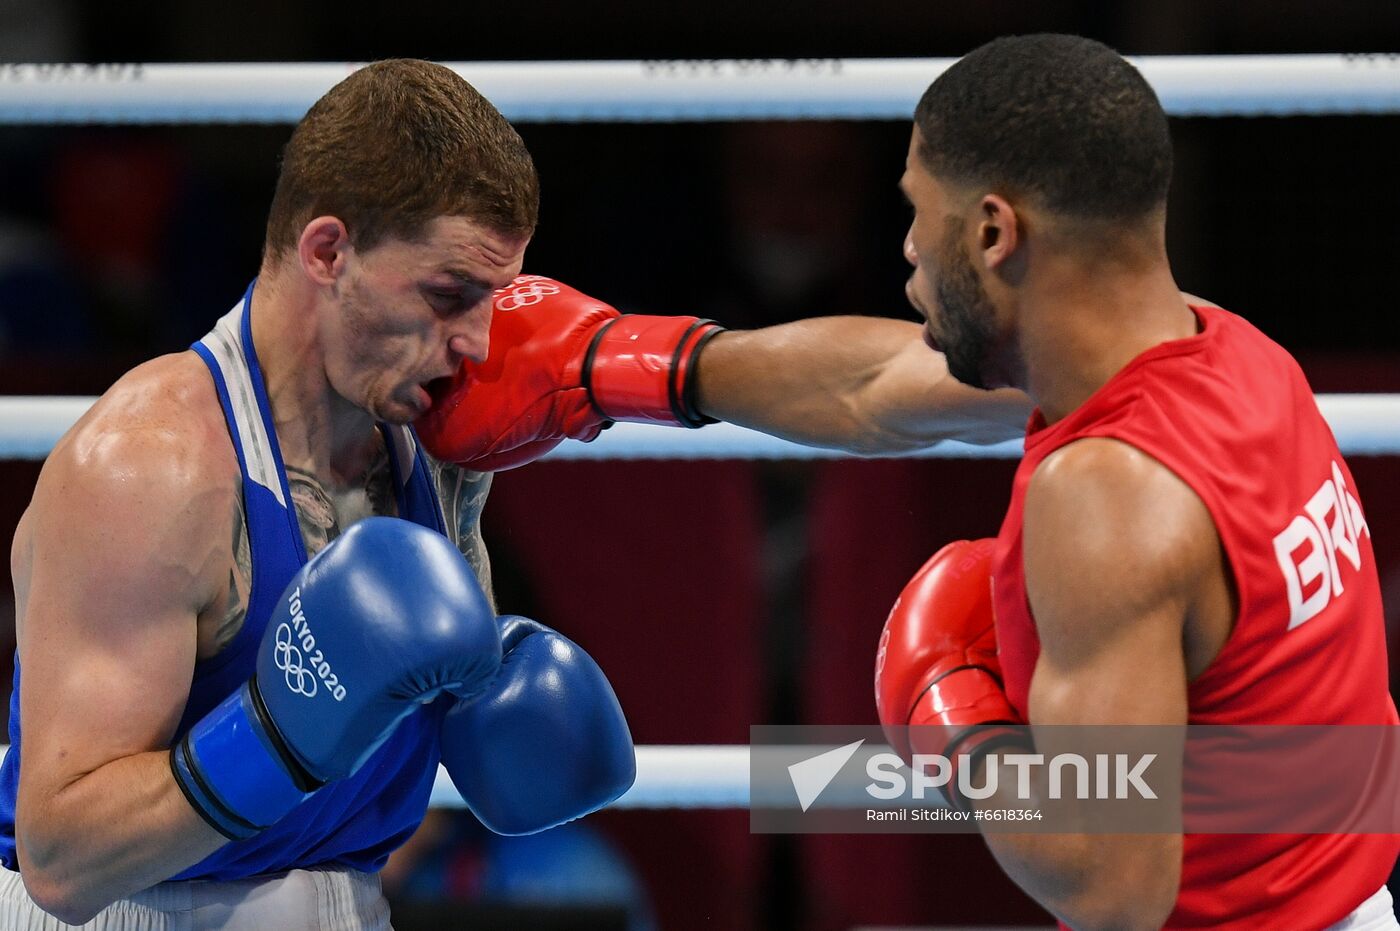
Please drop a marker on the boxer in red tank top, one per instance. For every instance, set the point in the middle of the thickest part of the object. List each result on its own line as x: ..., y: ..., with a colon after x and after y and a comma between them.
x: 1184, y: 542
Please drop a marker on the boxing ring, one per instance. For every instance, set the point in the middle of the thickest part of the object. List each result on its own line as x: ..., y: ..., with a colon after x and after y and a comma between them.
x: 693, y: 90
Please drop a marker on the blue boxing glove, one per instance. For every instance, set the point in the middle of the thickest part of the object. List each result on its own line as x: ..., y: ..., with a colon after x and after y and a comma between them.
x: 383, y: 620
x: 545, y: 743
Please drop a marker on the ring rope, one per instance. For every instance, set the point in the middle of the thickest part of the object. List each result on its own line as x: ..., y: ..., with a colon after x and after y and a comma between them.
x: 1364, y: 425
x: 674, y: 89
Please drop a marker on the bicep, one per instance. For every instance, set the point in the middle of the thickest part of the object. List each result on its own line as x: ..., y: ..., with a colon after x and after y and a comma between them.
x: 1115, y: 547
x: 107, y: 637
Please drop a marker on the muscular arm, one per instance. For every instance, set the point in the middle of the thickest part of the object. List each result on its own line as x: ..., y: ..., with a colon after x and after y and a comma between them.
x: 123, y: 544
x: 1117, y: 552
x: 864, y: 384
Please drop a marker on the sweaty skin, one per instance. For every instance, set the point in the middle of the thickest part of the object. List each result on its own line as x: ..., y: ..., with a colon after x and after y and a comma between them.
x: 131, y: 561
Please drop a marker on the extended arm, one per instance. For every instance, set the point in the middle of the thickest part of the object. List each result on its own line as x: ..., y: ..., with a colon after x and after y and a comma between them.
x: 564, y: 365
x: 864, y: 384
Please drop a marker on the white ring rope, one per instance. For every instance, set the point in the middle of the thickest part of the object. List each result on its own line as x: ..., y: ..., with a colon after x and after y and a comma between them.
x: 715, y: 776
x: 685, y: 89
x: 1364, y: 424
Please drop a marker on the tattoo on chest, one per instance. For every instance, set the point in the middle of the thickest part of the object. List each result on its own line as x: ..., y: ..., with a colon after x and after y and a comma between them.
x: 316, y: 512
x: 321, y: 517
x: 323, y: 514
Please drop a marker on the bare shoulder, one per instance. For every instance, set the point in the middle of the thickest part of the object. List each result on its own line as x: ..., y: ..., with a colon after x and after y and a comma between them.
x: 1113, y: 539
x: 160, y: 422
x: 1109, y: 487
x: 1116, y: 550
x: 463, y: 494
x: 148, y: 473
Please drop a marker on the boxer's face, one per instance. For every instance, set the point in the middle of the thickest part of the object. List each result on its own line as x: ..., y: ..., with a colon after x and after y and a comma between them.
x: 410, y: 311
x: 946, y: 287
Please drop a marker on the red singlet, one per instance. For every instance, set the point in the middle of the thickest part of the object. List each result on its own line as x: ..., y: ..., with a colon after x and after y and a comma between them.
x: 1230, y: 413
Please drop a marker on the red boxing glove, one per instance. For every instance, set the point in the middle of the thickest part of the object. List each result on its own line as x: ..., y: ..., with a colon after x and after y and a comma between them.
x: 937, y: 660
x: 563, y: 365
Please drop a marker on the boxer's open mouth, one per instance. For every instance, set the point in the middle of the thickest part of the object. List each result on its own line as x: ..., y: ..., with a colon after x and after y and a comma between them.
x: 437, y: 387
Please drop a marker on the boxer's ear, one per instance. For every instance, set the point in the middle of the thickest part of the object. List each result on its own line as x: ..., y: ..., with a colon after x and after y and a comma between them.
x: 998, y: 230
x: 323, y: 249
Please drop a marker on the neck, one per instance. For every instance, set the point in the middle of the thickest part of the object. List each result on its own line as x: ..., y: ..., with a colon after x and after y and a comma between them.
x: 1080, y: 328
x: 317, y: 429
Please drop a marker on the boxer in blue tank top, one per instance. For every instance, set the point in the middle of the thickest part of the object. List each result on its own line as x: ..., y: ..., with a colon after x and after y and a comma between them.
x: 245, y: 640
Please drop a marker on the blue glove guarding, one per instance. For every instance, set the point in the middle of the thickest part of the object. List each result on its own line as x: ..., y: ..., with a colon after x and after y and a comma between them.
x: 545, y: 743
x: 384, y: 619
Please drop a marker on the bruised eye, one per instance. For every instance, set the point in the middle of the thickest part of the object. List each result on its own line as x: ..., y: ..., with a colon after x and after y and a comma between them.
x: 445, y: 302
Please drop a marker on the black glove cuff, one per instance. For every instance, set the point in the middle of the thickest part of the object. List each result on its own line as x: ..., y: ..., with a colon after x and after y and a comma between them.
x: 683, y: 401
x: 984, y: 739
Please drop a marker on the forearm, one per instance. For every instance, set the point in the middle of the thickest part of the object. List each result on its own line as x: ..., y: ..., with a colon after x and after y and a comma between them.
x: 863, y: 384
x: 121, y: 828
x: 800, y: 381
x: 1088, y: 880
x: 1080, y: 880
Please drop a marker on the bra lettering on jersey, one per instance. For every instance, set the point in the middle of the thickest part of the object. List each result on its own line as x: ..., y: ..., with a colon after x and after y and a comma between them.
x: 1330, y: 526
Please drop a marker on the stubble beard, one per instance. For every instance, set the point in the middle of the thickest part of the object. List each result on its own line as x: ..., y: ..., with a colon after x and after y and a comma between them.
x: 966, y: 321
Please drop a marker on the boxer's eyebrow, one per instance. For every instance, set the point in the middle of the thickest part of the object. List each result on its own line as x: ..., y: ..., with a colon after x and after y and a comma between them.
x: 466, y: 279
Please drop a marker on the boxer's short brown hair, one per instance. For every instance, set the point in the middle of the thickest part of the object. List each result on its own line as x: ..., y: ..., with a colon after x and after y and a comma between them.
x: 395, y: 145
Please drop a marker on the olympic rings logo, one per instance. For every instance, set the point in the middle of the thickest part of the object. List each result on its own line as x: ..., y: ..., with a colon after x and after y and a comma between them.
x: 525, y: 291
x: 288, y: 659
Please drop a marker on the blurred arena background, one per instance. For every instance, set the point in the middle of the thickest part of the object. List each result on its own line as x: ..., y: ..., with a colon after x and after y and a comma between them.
x: 716, y: 594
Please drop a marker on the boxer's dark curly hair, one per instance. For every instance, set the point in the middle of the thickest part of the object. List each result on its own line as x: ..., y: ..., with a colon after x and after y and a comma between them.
x: 395, y: 145
x: 1058, y: 118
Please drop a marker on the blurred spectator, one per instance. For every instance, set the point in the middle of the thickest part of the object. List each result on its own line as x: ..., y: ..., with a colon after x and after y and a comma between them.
x: 41, y: 307
x: 804, y: 233
x: 150, y: 244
